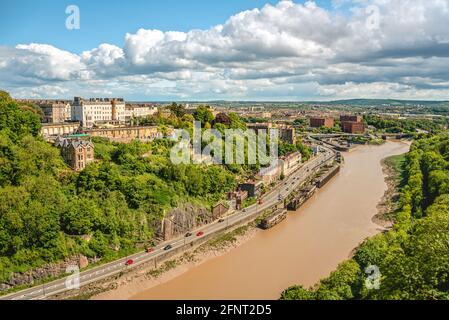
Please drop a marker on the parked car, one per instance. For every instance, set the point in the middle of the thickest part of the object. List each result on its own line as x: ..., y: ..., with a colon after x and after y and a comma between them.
x: 149, y: 250
x: 188, y: 234
x: 168, y: 247
x: 200, y: 234
x: 129, y: 262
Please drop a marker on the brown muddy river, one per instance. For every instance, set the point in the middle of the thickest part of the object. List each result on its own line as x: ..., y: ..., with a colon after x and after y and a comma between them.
x: 301, y: 250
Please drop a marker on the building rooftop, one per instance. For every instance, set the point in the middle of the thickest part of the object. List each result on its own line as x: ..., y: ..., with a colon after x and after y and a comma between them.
x: 75, y: 143
x: 78, y: 100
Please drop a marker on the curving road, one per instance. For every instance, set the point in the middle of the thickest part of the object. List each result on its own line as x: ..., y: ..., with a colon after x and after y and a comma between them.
x: 283, y: 189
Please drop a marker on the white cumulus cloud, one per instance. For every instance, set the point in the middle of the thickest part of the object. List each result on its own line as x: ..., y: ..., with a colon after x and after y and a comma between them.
x: 285, y: 51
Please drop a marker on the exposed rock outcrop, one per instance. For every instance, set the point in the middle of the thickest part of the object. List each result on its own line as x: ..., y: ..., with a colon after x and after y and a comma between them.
x: 50, y: 270
x: 182, y: 219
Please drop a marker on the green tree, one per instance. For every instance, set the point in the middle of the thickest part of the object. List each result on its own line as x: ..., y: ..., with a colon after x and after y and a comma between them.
x: 203, y: 114
x: 236, y: 121
x: 177, y: 109
x: 17, y: 122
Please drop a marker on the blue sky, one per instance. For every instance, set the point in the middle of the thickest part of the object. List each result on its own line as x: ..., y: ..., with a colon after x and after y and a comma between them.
x: 107, y: 21
x: 216, y: 50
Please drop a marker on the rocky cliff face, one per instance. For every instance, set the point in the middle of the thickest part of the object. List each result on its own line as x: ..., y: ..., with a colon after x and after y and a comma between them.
x: 51, y: 270
x: 186, y: 217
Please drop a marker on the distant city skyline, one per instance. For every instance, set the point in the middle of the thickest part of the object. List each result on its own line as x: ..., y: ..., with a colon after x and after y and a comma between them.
x: 258, y: 50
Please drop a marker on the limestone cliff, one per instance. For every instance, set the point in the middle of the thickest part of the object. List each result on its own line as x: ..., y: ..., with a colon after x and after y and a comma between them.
x: 180, y: 220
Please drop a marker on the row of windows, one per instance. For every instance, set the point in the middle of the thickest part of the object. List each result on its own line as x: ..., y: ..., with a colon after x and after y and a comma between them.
x: 105, y: 107
x: 103, y: 113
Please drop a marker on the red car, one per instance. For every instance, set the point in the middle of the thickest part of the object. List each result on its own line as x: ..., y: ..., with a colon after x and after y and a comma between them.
x: 149, y: 250
x: 129, y: 262
x: 200, y: 234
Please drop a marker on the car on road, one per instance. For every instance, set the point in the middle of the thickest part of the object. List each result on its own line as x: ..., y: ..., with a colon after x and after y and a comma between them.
x: 150, y: 250
x: 169, y: 247
x: 244, y: 210
x: 260, y: 201
x: 188, y: 234
x: 221, y: 220
x: 200, y: 234
x: 129, y: 262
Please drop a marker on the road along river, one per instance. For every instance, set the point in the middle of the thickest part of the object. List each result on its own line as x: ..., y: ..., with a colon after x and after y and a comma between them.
x: 301, y: 250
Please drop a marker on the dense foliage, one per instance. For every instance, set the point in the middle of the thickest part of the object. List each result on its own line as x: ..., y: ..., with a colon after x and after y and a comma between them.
x: 286, y: 148
x: 409, y: 125
x: 48, y: 212
x: 413, y: 257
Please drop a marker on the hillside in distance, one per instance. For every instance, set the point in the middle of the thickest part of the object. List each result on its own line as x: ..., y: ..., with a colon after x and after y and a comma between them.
x: 386, y: 102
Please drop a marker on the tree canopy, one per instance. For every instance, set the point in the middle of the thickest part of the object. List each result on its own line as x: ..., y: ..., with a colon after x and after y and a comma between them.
x: 47, y: 209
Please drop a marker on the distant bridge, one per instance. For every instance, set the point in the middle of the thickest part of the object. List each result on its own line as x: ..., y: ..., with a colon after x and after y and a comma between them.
x: 384, y: 136
x: 333, y: 135
x: 397, y: 136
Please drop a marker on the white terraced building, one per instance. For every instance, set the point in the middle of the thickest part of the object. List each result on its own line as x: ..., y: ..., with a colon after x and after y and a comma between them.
x: 139, y: 111
x: 98, y: 110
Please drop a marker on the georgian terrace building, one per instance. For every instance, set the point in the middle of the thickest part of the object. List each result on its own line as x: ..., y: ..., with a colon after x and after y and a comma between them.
x: 98, y: 110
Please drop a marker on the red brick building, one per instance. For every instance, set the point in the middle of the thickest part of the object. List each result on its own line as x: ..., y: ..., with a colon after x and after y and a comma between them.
x: 352, y: 124
x: 353, y: 127
x: 322, y: 122
x: 351, y: 118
